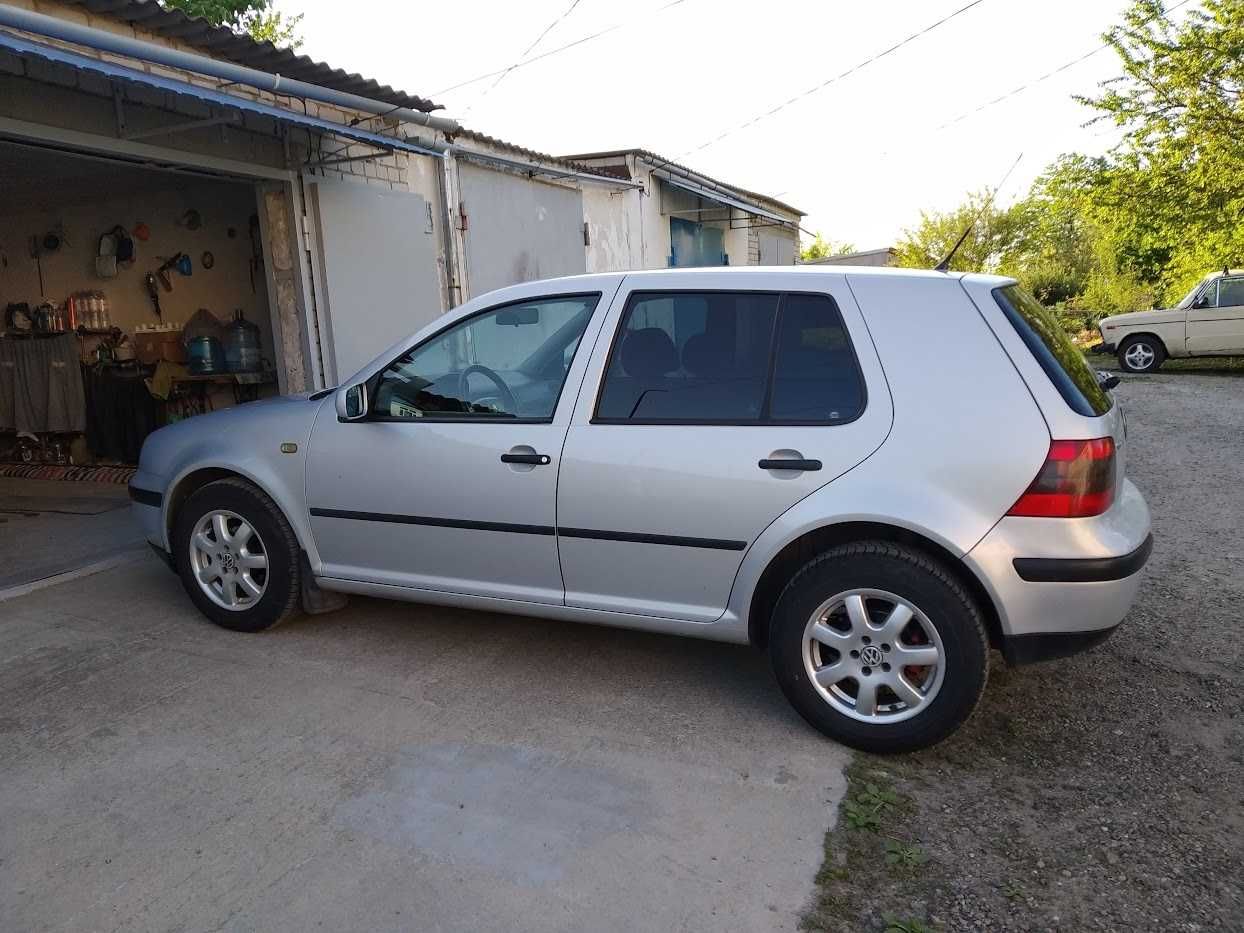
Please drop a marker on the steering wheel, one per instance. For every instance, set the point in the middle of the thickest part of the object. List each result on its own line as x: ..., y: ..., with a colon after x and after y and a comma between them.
x: 505, y: 396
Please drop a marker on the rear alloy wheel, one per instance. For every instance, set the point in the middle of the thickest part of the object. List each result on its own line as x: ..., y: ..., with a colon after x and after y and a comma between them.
x: 879, y: 647
x: 237, y: 556
x: 873, y: 656
x: 1141, y: 354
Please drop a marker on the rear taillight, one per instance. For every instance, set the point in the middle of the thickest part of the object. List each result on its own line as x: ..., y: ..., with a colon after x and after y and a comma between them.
x: 1076, y: 480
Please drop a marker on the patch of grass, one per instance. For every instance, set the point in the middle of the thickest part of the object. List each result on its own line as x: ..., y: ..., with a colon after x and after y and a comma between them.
x: 870, y: 858
x: 866, y: 808
x: 904, y: 856
x: 1013, y: 891
x: 894, y: 925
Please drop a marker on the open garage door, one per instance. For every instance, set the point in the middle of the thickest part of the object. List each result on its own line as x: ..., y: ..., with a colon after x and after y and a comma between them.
x: 519, y: 229
x: 376, y: 274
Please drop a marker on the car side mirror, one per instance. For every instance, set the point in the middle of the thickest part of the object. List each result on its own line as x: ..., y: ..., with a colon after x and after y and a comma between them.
x: 1201, y: 302
x: 1107, y: 380
x: 352, y: 403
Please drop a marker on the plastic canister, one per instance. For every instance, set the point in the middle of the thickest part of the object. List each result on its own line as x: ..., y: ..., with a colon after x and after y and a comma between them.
x: 242, y: 346
x: 204, y: 356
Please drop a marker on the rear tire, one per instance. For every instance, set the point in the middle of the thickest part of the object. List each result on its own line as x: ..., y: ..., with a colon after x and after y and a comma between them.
x: 909, y: 608
x: 237, y: 556
x: 1141, y: 354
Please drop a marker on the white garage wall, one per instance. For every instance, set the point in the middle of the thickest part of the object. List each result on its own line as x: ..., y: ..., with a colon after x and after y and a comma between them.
x: 518, y: 229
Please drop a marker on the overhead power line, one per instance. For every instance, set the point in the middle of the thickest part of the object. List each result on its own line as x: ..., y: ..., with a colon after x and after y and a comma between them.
x: 527, y: 51
x: 1049, y: 74
x: 826, y: 83
x: 551, y: 52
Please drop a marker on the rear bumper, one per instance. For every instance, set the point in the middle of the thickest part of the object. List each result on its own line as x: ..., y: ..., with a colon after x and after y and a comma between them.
x: 1060, y: 585
x: 1029, y: 649
x: 1082, y: 569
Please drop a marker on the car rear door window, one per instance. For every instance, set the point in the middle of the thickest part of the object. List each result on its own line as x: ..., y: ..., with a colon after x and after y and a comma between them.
x: 731, y: 358
x: 815, y: 376
x: 690, y: 357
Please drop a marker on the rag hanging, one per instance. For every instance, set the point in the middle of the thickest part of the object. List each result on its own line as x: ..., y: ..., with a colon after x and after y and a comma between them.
x: 41, y: 385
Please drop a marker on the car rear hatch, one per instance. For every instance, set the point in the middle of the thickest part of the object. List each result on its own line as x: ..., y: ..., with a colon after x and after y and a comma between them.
x: 1064, y: 386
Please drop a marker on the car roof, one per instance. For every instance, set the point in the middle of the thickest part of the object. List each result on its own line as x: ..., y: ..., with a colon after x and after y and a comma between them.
x: 715, y: 273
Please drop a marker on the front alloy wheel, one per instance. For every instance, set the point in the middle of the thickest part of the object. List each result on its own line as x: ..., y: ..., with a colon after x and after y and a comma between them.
x: 237, y: 556
x: 229, y: 561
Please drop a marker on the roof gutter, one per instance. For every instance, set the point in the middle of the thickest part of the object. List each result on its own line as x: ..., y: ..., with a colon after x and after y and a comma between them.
x: 98, y: 39
x: 474, y: 155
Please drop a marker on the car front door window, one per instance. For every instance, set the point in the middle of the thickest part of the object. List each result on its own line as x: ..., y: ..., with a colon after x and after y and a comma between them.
x: 508, y: 363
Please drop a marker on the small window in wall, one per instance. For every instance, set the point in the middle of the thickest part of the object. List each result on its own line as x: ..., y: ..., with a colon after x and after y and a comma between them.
x: 731, y: 358
x: 693, y: 244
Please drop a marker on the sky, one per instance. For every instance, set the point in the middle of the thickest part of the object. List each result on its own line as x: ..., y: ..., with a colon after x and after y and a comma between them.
x: 862, y: 156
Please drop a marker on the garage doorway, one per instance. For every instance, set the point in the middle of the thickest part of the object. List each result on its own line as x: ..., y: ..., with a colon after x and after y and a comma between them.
x: 103, y: 264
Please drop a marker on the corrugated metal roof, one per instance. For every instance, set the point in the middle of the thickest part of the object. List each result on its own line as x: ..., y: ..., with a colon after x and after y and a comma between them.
x: 223, y: 43
x: 28, y: 49
x: 532, y: 154
x: 662, y: 162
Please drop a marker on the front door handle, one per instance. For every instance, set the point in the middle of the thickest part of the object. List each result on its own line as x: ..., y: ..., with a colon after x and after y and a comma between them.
x: 807, y: 466
x: 532, y: 459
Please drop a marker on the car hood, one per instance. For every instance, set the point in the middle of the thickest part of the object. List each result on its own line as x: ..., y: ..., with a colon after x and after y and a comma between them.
x: 1160, y: 316
x: 252, y: 429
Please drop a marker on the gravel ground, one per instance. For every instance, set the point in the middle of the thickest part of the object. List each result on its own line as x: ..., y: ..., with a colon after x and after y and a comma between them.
x: 1106, y: 791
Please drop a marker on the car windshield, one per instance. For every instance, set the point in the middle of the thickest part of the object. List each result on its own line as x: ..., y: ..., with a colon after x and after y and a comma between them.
x: 1186, y: 301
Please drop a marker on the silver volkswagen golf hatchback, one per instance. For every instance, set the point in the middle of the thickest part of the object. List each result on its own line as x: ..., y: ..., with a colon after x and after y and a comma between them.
x: 874, y: 475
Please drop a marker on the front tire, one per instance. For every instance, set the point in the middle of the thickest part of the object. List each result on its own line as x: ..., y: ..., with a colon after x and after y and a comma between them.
x: 879, y: 647
x: 1141, y: 354
x: 237, y: 556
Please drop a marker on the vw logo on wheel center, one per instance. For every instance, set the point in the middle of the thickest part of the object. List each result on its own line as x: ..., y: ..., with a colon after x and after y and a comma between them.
x: 871, y: 656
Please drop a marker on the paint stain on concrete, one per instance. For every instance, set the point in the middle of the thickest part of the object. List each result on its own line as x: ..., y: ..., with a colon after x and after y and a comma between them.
x: 521, y: 813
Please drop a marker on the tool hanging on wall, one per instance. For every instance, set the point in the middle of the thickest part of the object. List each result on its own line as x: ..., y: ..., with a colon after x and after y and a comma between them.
x: 153, y: 293
x: 180, y: 262
x: 36, y: 253
x: 256, y: 248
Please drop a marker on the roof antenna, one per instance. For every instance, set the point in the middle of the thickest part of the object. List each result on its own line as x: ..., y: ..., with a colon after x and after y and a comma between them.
x: 944, y: 265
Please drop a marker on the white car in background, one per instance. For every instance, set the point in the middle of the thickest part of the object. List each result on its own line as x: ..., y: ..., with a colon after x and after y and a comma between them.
x: 1209, y: 321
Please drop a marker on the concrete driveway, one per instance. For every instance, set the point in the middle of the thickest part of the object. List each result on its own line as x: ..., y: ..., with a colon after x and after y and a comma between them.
x: 391, y: 767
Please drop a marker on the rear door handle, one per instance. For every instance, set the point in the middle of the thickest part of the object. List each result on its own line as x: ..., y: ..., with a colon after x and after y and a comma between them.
x: 807, y: 466
x: 533, y: 459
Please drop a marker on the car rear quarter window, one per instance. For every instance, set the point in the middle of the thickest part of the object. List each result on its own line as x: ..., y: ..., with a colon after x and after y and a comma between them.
x: 1054, y: 350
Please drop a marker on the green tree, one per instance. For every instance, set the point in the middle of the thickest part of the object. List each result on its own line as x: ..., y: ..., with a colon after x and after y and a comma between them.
x: 255, y: 18
x: 1176, y: 184
x: 996, y: 236
x: 821, y: 248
